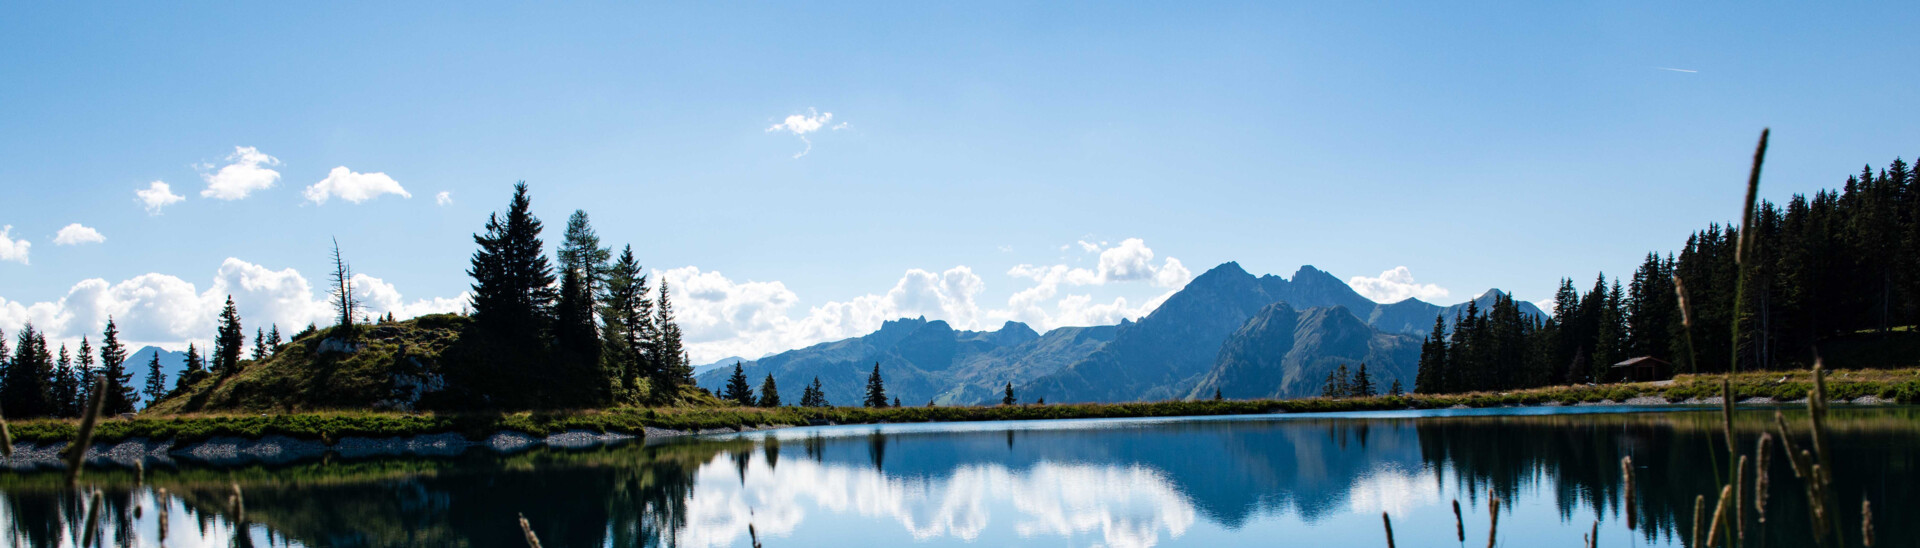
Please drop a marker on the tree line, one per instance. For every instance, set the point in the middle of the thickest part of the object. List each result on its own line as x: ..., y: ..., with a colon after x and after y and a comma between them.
x: 587, y: 331
x: 1841, y: 263
x: 35, y: 382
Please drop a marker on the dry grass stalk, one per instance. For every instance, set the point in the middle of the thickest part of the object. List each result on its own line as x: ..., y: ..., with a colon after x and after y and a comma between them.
x: 1493, y: 513
x: 1626, y: 479
x: 1739, y: 503
x: 1866, y: 524
x: 1388, y: 522
x: 1760, y: 479
x: 1593, y: 537
x: 6, y: 438
x: 93, y: 520
x: 533, y: 541
x: 239, y: 505
x: 1719, y: 526
x: 77, y: 451
x: 160, y: 504
x: 1753, y: 196
x: 1459, y: 526
x: 754, y: 536
x: 1699, y: 507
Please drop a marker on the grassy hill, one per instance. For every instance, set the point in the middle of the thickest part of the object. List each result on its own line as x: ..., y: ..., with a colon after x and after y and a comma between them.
x: 387, y: 366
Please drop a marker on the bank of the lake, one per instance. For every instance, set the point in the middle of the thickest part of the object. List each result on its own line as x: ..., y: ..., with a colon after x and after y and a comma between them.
x: 373, y: 433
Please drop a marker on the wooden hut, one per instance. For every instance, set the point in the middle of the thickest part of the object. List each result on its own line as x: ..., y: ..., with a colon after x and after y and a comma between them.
x: 1642, y: 369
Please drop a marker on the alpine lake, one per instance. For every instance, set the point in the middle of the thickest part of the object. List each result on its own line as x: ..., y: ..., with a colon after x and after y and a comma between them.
x: 1249, y: 480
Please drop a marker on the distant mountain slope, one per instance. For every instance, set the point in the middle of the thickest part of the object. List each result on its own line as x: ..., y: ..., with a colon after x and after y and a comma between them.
x: 171, y: 364
x: 921, y: 361
x: 1284, y: 353
x: 1167, y: 354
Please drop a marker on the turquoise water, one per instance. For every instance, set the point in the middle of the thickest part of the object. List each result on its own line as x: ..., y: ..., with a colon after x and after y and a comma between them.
x: 1267, y: 480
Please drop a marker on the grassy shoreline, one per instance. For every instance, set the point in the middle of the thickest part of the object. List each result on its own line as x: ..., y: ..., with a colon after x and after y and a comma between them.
x: 1900, y: 386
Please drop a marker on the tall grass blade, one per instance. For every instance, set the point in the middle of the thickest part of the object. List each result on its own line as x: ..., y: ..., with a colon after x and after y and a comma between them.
x: 77, y: 451
x: 1388, y: 522
x: 533, y: 541
x: 1493, y: 526
x: 1459, y: 526
x: 1719, y: 527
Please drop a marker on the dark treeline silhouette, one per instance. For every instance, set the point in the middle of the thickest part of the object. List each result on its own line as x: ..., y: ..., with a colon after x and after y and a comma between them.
x: 35, y: 382
x: 590, y: 334
x: 1838, y: 265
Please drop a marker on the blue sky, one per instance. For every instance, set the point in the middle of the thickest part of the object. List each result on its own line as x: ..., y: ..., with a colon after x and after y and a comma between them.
x: 1476, y: 145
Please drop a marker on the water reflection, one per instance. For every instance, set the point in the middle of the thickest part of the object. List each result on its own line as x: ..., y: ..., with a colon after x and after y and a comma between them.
x: 1206, y: 482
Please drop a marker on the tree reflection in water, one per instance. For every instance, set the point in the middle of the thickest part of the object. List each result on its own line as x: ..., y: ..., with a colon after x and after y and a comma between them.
x: 1117, y: 483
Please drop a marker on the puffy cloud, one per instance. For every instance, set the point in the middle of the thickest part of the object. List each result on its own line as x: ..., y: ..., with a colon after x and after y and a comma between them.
x: 802, y: 124
x: 1395, y: 285
x: 245, y: 172
x: 722, y: 317
x: 11, y: 249
x: 166, y: 310
x: 353, y: 187
x: 75, y: 234
x: 158, y: 195
x: 443, y: 198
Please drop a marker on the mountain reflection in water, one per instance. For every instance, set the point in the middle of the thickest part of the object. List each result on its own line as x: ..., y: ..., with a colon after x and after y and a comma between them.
x: 1226, y: 481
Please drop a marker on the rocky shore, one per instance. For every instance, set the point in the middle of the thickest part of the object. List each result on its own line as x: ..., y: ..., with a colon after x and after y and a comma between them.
x: 231, y: 451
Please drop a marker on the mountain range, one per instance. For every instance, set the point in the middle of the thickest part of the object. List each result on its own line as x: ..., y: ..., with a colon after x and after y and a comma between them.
x: 1246, y: 336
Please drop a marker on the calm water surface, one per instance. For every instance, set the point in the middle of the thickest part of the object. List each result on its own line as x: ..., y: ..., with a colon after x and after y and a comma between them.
x: 1279, y: 480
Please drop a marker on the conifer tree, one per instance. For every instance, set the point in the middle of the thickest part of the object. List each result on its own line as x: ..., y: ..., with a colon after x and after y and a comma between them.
x: 228, y: 341
x: 1216, y: 393
x: 876, y: 389
x: 26, y: 391
x: 273, y: 339
x: 813, y: 395
x: 120, y: 396
x: 66, y: 387
x: 191, y: 374
x: 82, y: 379
x: 513, y: 292
x: 260, y: 347
x: 156, y: 381
x: 769, y: 393
x: 344, y: 303
x: 1337, y: 384
x: 1362, y: 384
x: 737, y: 390
x: 1395, y: 390
x: 896, y: 401
x: 626, y: 316
x: 1431, y: 378
x: 671, y: 370
x: 577, y: 343
x: 580, y: 251
x: 1008, y: 399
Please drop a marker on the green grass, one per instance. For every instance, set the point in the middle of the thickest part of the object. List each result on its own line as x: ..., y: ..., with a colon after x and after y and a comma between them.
x: 1899, y: 385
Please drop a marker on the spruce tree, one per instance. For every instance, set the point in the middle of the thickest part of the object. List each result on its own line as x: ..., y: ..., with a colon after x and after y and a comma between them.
x: 1431, y: 378
x: 1008, y: 398
x: 896, y: 401
x: 813, y: 395
x: 156, y: 381
x: 192, y: 372
x: 81, y: 380
x: 1395, y: 390
x: 769, y: 393
x: 1216, y: 393
x: 876, y: 389
x: 580, y: 251
x: 273, y: 339
x: 66, y: 386
x: 1338, y: 383
x: 120, y: 395
x: 671, y: 370
x: 228, y: 341
x: 513, y: 292
x: 577, y: 343
x: 260, y: 347
x: 26, y: 391
x: 737, y: 390
x: 1362, y: 385
x: 626, y: 316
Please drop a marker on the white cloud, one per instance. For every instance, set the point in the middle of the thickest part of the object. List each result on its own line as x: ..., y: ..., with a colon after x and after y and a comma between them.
x: 161, y: 309
x: 802, y: 124
x: 13, y: 250
x: 244, y: 173
x: 723, y: 317
x: 353, y: 187
x: 1395, y: 285
x: 443, y: 198
x: 1086, y: 246
x: 158, y: 195
x: 75, y: 234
